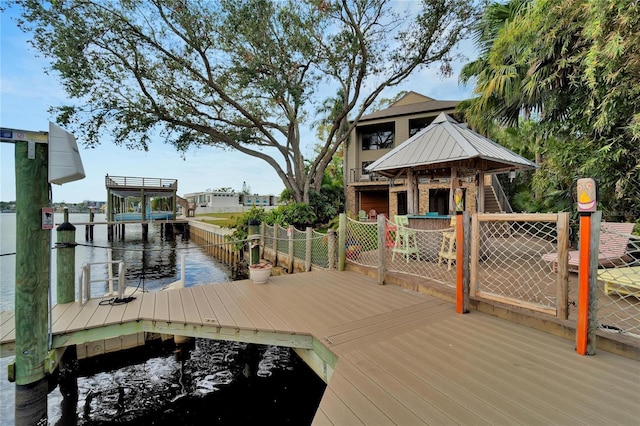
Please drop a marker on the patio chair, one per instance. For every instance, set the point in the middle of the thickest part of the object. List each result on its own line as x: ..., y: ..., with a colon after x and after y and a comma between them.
x: 448, y: 247
x: 406, y: 241
x: 373, y: 214
x: 614, y: 239
x: 362, y: 215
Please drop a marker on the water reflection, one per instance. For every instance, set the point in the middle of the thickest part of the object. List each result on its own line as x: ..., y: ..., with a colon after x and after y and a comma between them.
x: 218, y: 383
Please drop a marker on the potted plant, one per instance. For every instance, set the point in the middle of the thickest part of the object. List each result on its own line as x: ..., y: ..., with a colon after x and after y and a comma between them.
x: 259, y: 273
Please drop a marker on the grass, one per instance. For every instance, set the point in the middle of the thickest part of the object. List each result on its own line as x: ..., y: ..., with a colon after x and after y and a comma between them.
x: 220, y: 219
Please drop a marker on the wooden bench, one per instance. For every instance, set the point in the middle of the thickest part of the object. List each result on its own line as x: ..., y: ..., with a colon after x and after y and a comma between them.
x: 621, y: 280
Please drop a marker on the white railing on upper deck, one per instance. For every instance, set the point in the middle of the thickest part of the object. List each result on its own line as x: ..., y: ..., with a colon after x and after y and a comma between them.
x: 145, y: 182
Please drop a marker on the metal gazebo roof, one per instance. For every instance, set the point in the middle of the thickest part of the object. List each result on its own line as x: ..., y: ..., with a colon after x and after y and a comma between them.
x: 446, y: 144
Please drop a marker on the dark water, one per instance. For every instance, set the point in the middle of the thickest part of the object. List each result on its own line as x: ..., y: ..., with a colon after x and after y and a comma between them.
x: 211, y: 383
x: 220, y: 383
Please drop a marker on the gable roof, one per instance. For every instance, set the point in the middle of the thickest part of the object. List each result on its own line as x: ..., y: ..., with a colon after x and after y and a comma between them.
x: 410, y: 109
x: 447, y: 143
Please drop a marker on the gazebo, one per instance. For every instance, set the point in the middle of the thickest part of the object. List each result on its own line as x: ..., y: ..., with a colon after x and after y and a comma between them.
x: 446, y: 148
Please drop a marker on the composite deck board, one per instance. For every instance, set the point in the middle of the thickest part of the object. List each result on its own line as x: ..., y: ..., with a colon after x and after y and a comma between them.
x: 287, y: 307
x: 375, y: 323
x: 240, y: 318
x: 437, y: 389
x: 376, y: 332
x: 161, y: 310
x: 190, y: 308
x: 391, y: 410
x: 402, y: 357
x: 370, y: 412
x: 132, y: 309
x: 95, y: 314
x: 516, y: 378
x: 258, y: 313
x: 471, y: 374
x: 176, y: 308
x: 207, y: 314
x: 530, y: 372
x: 337, y: 411
x: 597, y: 379
x: 254, y: 296
x: 546, y: 342
x: 223, y: 316
x: 460, y: 394
x: 147, y: 303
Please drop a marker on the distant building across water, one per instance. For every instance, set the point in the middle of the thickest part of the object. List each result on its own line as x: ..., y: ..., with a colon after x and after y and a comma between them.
x: 220, y: 201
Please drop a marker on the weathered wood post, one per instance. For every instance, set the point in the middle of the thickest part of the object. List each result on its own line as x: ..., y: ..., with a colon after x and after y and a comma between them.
x: 562, y: 291
x: 382, y: 249
x: 342, y: 240
x: 254, y: 241
x: 32, y: 282
x: 274, y: 244
x: 308, y: 248
x: 88, y: 229
x: 292, y: 259
x: 65, y: 261
x: 65, y: 290
x: 331, y: 247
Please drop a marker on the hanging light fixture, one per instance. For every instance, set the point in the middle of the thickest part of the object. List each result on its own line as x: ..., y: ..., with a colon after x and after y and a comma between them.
x: 512, y: 175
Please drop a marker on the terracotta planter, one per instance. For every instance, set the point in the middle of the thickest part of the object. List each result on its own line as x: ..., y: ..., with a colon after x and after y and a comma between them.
x: 259, y: 273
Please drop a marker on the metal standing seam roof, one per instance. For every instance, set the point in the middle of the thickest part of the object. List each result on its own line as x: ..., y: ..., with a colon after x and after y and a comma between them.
x: 445, y: 141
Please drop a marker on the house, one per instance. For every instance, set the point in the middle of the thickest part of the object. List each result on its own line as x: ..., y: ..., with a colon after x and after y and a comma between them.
x: 221, y: 201
x: 417, y: 178
x: 376, y: 135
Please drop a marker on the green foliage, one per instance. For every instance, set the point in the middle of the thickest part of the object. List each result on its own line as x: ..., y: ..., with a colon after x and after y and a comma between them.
x: 240, y: 74
x: 241, y: 226
x: 573, y: 66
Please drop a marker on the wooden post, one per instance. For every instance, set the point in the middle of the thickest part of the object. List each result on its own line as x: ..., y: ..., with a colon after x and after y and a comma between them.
x: 411, y: 208
x: 331, y: 247
x: 292, y: 258
x: 308, y: 248
x: 592, y: 320
x: 382, y: 249
x: 65, y: 261
x: 275, y: 244
x: 32, y: 283
x: 254, y: 245
x: 342, y: 240
x: 562, y: 291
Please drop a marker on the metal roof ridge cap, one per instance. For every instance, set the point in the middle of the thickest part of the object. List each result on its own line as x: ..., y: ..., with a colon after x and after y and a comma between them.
x: 456, y: 134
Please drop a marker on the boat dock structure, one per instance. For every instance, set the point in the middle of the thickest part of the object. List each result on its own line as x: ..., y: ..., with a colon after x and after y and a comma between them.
x: 389, y: 354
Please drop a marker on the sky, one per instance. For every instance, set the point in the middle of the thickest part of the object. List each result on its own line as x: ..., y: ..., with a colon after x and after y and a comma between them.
x: 27, y: 92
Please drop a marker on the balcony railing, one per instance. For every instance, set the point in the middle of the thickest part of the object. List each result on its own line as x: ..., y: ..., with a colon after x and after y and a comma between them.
x: 361, y: 175
x: 139, y: 182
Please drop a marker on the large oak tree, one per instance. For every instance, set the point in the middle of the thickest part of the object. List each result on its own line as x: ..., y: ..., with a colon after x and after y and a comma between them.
x: 243, y: 74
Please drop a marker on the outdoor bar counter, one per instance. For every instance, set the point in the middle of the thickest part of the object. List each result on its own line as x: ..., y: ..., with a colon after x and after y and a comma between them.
x: 430, y: 221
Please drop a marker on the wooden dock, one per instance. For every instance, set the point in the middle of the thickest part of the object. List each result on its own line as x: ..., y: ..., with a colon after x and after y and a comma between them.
x: 389, y: 355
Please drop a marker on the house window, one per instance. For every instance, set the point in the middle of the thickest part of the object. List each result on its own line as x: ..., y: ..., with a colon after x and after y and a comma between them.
x: 417, y: 124
x: 364, y: 171
x: 377, y: 137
